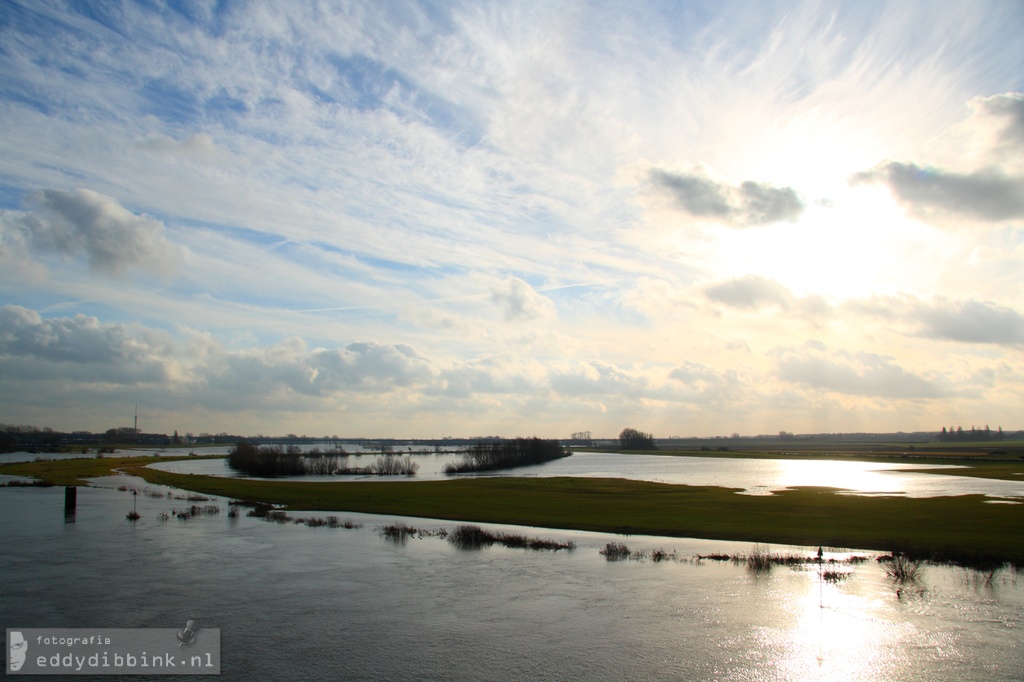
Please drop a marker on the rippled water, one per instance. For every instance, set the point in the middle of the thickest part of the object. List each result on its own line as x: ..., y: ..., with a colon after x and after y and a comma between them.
x: 295, y: 602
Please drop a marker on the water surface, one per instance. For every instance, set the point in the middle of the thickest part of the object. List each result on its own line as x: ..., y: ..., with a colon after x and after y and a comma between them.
x: 323, y: 604
x: 752, y: 476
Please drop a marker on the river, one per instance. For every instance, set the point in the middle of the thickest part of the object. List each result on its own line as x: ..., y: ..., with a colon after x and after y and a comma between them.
x: 295, y: 602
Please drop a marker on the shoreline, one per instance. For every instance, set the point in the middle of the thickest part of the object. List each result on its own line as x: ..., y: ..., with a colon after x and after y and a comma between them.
x: 966, y: 529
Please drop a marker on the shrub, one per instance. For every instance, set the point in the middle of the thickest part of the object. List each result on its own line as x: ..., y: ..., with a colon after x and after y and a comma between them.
x: 506, y: 454
x: 273, y: 460
x: 901, y: 568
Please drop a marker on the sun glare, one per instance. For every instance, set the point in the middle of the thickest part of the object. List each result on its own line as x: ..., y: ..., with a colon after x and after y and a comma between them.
x: 861, y: 244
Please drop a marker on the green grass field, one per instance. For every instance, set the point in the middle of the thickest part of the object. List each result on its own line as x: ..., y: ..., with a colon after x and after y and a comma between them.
x: 967, y: 529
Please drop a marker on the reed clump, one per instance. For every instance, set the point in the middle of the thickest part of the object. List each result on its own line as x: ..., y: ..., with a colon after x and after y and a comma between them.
x: 832, y: 575
x: 901, y: 568
x: 615, y: 551
x: 760, y: 559
x: 398, y: 531
x: 196, y: 510
x: 475, y: 537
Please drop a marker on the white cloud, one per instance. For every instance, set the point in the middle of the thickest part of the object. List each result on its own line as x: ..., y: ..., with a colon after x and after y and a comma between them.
x: 750, y: 292
x: 519, y: 301
x: 971, y: 322
x: 943, y: 319
x: 858, y: 373
x: 379, y: 211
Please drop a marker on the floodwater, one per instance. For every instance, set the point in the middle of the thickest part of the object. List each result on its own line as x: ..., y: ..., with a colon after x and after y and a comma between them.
x: 295, y: 602
x: 752, y: 476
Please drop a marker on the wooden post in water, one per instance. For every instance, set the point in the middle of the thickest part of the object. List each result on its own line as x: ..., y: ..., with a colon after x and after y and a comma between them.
x: 70, y: 499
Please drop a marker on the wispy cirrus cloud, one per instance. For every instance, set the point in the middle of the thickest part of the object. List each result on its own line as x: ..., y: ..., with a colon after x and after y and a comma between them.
x: 379, y: 211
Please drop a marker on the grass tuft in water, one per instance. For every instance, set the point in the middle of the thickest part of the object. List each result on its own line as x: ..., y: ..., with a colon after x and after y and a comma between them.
x: 902, y: 569
x: 760, y: 559
x: 615, y: 551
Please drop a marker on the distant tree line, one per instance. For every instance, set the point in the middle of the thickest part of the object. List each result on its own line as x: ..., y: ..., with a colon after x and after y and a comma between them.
x: 958, y: 434
x: 506, y: 454
x: 632, y: 439
x: 582, y: 438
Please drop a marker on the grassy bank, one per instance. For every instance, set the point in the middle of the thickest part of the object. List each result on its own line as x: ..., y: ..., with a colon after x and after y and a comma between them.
x: 964, y: 528
x: 75, y: 471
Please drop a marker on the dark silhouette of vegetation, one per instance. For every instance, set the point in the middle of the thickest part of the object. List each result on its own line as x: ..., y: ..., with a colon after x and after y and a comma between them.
x: 398, y: 532
x: 196, y: 510
x: 615, y: 551
x: 632, y: 439
x: 267, y: 460
x: 760, y: 559
x: 272, y: 461
x: 475, y: 537
x: 506, y: 454
x: 901, y: 568
x: 582, y: 438
x: 388, y: 465
x: 832, y: 575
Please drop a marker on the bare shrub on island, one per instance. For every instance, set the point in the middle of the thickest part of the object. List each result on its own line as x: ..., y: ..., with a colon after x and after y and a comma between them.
x: 506, y: 454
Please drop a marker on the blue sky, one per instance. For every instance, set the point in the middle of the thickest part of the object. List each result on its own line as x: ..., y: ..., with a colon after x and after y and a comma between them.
x: 512, y: 218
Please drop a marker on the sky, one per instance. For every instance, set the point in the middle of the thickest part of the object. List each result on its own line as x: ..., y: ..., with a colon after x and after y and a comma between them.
x: 430, y: 219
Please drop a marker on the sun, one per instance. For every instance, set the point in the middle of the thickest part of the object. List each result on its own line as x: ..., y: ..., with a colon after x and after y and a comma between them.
x: 859, y: 244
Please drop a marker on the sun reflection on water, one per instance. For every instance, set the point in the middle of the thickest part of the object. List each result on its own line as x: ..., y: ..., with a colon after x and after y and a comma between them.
x: 837, y: 632
x: 854, y: 475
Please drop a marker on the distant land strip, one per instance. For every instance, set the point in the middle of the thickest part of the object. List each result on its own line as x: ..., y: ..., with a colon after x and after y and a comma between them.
x: 966, y: 529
